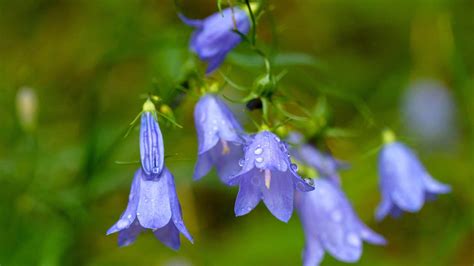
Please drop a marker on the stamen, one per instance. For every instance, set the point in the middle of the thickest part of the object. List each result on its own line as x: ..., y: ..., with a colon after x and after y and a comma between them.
x: 225, y: 147
x: 268, y: 178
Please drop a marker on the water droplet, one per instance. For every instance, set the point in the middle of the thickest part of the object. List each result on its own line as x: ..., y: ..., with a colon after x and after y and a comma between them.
x: 294, y: 167
x: 277, y: 139
x: 259, y: 160
x: 138, y: 214
x: 241, y: 162
x: 309, y: 181
x: 336, y: 216
x: 129, y: 216
x: 258, y: 151
x: 122, y: 224
x: 353, y: 239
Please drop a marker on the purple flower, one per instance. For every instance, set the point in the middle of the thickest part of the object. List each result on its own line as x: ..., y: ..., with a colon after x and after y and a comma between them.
x: 429, y: 113
x: 267, y: 174
x: 330, y: 224
x: 404, y: 182
x: 153, y: 204
x: 151, y: 143
x: 214, y: 36
x: 324, y: 163
x: 219, y: 141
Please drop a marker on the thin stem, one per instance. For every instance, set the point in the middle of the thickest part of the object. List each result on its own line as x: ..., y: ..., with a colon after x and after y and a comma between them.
x: 254, y: 24
x: 233, y: 14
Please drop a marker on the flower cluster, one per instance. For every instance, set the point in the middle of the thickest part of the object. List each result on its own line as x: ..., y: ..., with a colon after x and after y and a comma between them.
x: 263, y: 166
x: 259, y: 164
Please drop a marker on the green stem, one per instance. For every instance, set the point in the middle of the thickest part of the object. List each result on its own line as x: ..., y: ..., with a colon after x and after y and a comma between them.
x: 254, y: 24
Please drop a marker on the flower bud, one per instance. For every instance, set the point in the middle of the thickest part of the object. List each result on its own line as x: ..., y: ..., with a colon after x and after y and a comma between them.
x: 27, y: 108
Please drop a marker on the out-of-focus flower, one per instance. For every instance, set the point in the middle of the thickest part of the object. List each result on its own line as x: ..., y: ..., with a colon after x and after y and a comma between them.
x: 429, y: 111
x: 219, y: 141
x: 151, y: 142
x: 404, y: 182
x: 27, y: 108
x: 153, y: 204
x: 330, y: 224
x: 267, y: 174
x: 324, y: 163
x: 214, y: 36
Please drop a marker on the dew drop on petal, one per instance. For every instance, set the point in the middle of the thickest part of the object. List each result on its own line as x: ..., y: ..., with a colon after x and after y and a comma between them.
x: 121, y: 224
x: 309, y: 181
x: 129, y: 216
x: 294, y: 167
x: 353, y: 239
x: 258, y: 151
x: 259, y: 160
x: 241, y: 162
x: 336, y: 216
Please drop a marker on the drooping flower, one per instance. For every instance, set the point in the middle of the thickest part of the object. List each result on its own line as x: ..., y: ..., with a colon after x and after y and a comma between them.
x: 267, y: 174
x: 153, y: 204
x: 404, y: 182
x: 324, y: 163
x: 214, y: 36
x: 151, y: 142
x: 219, y: 138
x: 429, y: 112
x: 331, y: 225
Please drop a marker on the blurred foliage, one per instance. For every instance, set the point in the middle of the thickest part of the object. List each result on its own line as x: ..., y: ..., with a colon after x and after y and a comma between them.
x: 89, y: 62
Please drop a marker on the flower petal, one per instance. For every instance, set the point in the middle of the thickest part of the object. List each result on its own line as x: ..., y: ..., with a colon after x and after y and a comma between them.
x: 176, y: 208
x: 214, y: 121
x: 190, y: 22
x: 279, y: 197
x: 383, y: 209
x: 154, y: 210
x: 249, y: 193
x: 151, y: 146
x: 215, y: 62
x: 203, y: 165
x: 128, y: 216
x: 227, y: 163
x: 128, y: 236
x: 169, y: 235
x: 313, y: 253
x: 433, y: 186
x: 370, y: 236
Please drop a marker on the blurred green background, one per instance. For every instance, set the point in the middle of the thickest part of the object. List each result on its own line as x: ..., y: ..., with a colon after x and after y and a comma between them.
x: 89, y: 61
